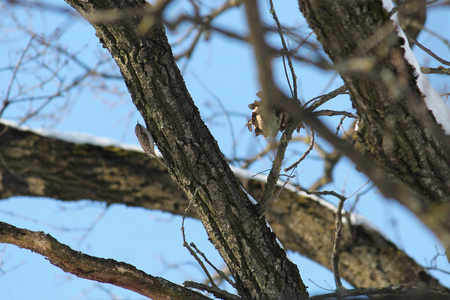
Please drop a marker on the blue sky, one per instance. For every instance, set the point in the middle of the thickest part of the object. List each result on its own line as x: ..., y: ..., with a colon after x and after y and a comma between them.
x: 219, y: 69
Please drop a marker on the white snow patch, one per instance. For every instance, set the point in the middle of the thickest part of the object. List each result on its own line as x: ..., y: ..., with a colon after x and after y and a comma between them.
x: 433, y: 100
x: 242, y: 173
x: 245, y: 174
x: 252, y: 200
x: 278, y: 241
x: 355, y: 219
x: 84, y: 138
x: 77, y: 137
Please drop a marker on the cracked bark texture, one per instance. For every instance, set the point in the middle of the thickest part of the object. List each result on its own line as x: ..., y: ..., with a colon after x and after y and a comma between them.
x: 396, y: 130
x: 259, y: 266
x: 117, y: 176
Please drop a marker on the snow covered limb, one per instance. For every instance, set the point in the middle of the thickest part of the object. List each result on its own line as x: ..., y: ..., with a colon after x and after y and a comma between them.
x: 393, y: 100
x: 302, y: 223
x: 401, y: 144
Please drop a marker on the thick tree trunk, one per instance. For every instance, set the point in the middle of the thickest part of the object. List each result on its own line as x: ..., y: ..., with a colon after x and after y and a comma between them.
x: 249, y: 248
x: 113, y: 175
x: 396, y: 129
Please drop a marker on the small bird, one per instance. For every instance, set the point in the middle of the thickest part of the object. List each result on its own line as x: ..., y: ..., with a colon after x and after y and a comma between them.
x: 146, y: 140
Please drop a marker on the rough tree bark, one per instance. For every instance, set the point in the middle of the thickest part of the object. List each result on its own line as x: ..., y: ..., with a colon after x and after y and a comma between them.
x: 98, y: 269
x: 256, y: 261
x: 396, y: 129
x: 118, y: 176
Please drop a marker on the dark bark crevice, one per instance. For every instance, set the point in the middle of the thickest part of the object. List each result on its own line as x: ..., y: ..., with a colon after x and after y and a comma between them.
x: 192, y: 155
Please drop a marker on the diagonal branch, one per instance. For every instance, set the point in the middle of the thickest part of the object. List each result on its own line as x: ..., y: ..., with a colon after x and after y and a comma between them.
x: 94, y: 268
x: 397, y: 132
x: 301, y: 222
x: 247, y: 245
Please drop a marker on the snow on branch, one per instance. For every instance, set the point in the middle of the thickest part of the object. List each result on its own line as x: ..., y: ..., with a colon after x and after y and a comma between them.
x: 84, y: 138
x: 433, y: 101
x: 74, y: 137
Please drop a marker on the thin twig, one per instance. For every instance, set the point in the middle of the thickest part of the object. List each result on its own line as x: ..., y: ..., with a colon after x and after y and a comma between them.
x: 7, y: 101
x: 336, y: 246
x: 324, y: 98
x: 268, y: 196
x: 218, y: 293
x: 302, y: 42
x: 357, y: 191
x: 224, y: 112
x: 188, y: 52
x: 311, y: 146
x: 331, y: 159
x: 274, y: 174
x: 221, y: 274
x: 438, y: 70
x: 316, y: 192
x: 91, y: 227
x: 428, y: 51
x: 247, y: 162
x: 341, y: 121
x: 186, y: 245
x: 263, y: 209
x: 437, y: 35
x: 286, y: 52
x: 329, y: 112
x: 336, y: 235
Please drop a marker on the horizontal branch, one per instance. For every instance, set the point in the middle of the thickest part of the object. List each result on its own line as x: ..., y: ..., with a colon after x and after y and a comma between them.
x: 438, y: 70
x: 112, y: 175
x: 89, y: 267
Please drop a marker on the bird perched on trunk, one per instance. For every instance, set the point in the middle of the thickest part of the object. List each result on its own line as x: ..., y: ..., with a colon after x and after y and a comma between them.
x: 146, y: 140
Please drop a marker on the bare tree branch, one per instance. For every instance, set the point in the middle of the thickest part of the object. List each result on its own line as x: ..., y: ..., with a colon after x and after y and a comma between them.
x: 94, y: 268
x: 438, y: 70
x: 302, y: 223
x: 394, y: 120
x: 247, y: 245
